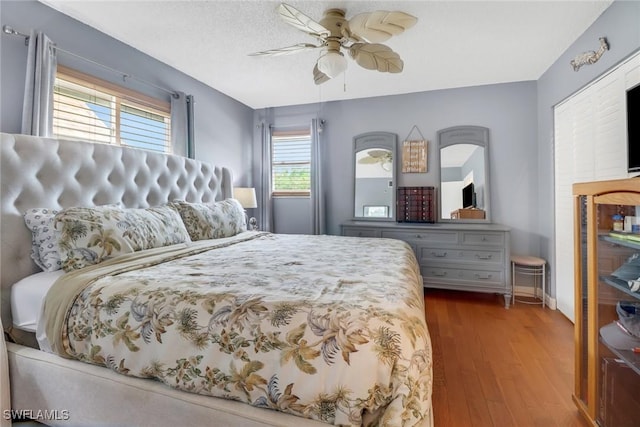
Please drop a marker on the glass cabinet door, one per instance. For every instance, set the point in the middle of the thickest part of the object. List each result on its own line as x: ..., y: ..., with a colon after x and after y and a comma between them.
x: 607, y: 301
x: 617, y: 284
x: 582, y: 304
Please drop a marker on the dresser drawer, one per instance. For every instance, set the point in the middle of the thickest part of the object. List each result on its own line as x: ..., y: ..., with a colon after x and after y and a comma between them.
x: 360, y: 232
x: 440, y: 254
x: 470, y: 277
x: 482, y: 238
x: 418, y: 236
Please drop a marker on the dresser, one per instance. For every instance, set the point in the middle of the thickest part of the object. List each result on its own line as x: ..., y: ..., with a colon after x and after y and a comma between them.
x: 464, y: 257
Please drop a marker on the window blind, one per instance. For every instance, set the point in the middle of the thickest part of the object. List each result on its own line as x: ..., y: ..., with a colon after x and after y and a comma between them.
x: 89, y: 109
x: 291, y: 163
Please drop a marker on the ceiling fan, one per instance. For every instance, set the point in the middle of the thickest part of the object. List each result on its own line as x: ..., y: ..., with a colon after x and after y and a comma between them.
x: 383, y: 157
x: 360, y: 36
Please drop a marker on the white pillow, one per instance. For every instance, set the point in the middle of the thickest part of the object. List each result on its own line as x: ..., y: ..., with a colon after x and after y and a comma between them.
x: 45, y: 251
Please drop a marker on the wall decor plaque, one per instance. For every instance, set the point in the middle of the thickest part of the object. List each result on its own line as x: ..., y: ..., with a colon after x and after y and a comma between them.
x: 414, y: 156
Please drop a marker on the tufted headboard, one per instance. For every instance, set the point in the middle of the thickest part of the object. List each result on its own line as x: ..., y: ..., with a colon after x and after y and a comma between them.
x: 50, y: 173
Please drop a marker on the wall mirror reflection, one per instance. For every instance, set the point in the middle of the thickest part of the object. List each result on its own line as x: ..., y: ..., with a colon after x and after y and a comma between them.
x: 464, y: 174
x: 374, y: 176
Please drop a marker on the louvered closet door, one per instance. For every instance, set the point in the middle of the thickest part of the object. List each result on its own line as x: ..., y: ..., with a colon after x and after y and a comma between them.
x: 564, y: 173
x: 589, y: 145
x: 610, y: 128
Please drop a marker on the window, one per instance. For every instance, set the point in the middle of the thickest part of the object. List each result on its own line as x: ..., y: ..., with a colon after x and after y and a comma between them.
x: 291, y: 163
x: 90, y: 109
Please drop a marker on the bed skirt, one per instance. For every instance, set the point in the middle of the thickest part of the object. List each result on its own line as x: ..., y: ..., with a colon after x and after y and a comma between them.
x: 79, y: 394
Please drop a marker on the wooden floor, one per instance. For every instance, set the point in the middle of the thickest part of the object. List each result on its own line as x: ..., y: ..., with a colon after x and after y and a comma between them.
x: 498, y: 367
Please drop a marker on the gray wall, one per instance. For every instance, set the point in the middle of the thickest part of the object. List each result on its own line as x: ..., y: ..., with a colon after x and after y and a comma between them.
x: 223, y: 126
x: 620, y: 24
x: 292, y: 215
x: 508, y: 110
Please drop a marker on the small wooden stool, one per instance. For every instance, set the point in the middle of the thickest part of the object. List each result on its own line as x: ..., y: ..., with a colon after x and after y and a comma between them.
x: 529, y: 266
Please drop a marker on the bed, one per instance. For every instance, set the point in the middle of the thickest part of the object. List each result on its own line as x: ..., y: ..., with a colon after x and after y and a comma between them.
x: 289, y: 330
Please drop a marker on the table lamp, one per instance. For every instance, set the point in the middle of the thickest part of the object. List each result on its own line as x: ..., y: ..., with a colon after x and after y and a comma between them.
x: 247, y: 198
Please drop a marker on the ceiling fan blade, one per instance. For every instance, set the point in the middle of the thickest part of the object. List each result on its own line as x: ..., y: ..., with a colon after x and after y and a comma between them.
x: 286, y: 50
x: 381, y: 25
x: 318, y: 76
x: 299, y: 20
x: 368, y: 161
x: 378, y: 153
x: 374, y: 56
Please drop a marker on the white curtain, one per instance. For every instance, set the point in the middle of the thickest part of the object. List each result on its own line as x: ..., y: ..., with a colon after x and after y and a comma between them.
x: 182, y: 126
x: 266, y: 202
x: 37, y: 109
x: 317, y: 194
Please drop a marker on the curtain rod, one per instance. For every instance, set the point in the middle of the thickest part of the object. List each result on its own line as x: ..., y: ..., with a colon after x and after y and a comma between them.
x: 9, y: 30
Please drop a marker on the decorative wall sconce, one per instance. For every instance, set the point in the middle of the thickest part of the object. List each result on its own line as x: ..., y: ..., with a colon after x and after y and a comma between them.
x: 590, y: 57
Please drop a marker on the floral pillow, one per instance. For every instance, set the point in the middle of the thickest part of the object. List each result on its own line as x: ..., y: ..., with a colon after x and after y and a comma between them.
x: 91, y: 235
x: 212, y: 221
x: 44, y: 240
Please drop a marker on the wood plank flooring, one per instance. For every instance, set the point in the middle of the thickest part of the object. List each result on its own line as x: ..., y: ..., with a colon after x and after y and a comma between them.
x: 499, y: 367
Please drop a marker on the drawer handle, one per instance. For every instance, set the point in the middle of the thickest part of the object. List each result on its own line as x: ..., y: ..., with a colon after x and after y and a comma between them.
x: 483, y: 277
x: 484, y: 238
x: 439, y: 274
x: 418, y: 236
x: 483, y: 257
x: 439, y: 254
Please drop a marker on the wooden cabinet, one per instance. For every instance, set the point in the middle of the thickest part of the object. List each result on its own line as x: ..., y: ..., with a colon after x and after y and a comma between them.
x: 416, y: 204
x: 607, y: 373
x: 465, y: 257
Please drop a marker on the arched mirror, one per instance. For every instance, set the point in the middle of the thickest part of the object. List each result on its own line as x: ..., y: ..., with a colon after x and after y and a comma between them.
x: 464, y: 174
x: 374, y: 176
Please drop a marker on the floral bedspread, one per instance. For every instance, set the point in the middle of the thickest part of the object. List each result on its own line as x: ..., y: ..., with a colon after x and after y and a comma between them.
x: 324, y: 327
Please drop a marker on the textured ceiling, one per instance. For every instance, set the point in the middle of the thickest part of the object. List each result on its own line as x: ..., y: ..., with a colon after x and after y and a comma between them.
x: 454, y: 43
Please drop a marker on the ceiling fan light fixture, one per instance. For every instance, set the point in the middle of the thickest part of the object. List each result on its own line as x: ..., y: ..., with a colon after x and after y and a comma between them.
x: 359, y: 36
x: 332, y: 63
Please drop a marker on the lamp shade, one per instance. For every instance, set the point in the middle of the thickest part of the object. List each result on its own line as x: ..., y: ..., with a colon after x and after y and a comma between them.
x: 246, y: 196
